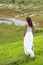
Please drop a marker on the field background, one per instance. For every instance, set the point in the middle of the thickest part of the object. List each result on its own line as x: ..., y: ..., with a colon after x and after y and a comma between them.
x: 10, y: 1
x: 11, y: 36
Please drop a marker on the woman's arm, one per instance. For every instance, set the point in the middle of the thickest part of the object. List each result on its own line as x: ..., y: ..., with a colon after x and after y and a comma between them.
x: 25, y: 30
x: 33, y: 29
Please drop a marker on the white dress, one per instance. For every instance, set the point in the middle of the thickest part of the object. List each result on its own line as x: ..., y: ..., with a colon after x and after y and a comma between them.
x: 28, y: 42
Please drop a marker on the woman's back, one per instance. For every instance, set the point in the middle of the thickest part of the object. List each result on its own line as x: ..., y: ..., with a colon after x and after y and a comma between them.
x: 29, y: 29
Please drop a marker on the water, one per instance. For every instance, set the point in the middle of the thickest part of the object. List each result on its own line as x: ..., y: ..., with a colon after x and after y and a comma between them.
x: 15, y: 21
x: 6, y: 21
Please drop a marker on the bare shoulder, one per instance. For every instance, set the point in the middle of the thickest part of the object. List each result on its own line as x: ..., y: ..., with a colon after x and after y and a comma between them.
x: 26, y: 24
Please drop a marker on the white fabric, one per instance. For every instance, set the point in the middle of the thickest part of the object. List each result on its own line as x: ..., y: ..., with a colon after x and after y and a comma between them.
x: 28, y: 42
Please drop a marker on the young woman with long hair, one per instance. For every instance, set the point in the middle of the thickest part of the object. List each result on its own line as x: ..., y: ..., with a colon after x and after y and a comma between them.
x: 28, y: 37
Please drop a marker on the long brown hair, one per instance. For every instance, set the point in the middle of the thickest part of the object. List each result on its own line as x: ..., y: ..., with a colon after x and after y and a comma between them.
x: 29, y: 21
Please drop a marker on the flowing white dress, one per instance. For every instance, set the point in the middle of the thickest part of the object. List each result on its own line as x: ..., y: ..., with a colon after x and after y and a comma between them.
x: 28, y: 42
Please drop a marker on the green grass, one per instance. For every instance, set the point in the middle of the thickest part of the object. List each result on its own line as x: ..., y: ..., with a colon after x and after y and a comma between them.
x: 11, y: 46
x: 9, y: 32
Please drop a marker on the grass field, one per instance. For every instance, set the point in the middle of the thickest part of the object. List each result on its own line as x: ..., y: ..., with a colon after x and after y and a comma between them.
x: 11, y: 46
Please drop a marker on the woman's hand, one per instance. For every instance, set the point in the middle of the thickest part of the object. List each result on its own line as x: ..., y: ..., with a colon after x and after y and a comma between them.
x: 25, y: 29
x: 32, y: 48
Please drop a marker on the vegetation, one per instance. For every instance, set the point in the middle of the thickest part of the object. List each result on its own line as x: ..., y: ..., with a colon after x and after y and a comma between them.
x: 13, y: 1
x: 11, y: 46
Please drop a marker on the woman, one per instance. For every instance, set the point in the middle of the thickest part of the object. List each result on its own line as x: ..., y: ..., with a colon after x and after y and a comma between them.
x: 28, y: 37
